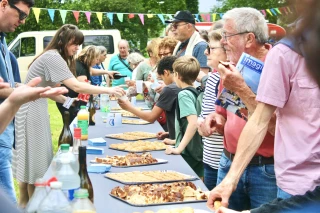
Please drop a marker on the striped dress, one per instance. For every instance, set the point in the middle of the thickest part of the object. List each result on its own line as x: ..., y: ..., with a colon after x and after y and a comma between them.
x: 33, y: 152
x: 212, y: 145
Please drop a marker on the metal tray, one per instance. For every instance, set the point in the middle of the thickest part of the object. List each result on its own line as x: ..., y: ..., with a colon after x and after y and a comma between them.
x: 137, y: 151
x: 157, y: 204
x: 135, y: 139
x: 188, y: 178
x: 160, y: 161
x: 146, y: 123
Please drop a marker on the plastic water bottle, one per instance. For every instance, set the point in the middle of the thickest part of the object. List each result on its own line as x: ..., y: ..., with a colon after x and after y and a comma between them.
x: 38, y: 196
x: 81, y: 202
x: 56, y: 201
x: 70, y: 180
x: 64, y: 153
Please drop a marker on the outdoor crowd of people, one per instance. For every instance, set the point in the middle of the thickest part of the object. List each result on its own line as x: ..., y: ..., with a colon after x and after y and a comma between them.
x: 268, y: 163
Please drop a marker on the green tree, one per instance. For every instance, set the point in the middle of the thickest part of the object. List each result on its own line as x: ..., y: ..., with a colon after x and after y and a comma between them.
x: 193, y: 6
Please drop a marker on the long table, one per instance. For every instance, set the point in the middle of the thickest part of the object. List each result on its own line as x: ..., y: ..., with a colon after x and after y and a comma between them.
x: 102, y: 186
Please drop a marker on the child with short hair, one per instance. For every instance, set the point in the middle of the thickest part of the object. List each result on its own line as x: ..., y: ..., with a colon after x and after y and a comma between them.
x: 186, y: 70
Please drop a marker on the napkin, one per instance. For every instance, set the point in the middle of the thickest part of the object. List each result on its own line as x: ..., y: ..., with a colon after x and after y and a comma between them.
x: 98, y: 168
x: 97, y: 142
x: 95, y: 151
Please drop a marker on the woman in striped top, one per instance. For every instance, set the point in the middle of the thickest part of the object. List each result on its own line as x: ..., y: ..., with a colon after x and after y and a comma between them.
x: 212, y: 145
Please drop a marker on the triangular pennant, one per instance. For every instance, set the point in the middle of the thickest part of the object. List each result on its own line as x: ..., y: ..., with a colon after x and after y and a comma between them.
x: 197, y: 18
x: 161, y: 18
x: 288, y: 8
x: 110, y: 17
x: 268, y: 10
x: 208, y: 17
x: 273, y: 12
x: 277, y: 10
x: 221, y: 15
x: 51, y: 14
x: 284, y: 10
x: 88, y: 15
x: 76, y: 15
x: 149, y: 15
x: 131, y: 15
x: 141, y: 16
x: 214, y: 15
x: 63, y: 14
x: 264, y: 13
x: 36, y: 12
x: 204, y: 17
x: 120, y: 16
x: 99, y: 16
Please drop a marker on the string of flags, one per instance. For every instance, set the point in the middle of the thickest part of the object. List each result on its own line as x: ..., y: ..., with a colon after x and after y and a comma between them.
x: 206, y: 17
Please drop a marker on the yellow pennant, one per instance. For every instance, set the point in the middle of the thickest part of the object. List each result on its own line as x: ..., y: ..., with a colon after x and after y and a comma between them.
x: 36, y: 12
x: 99, y: 16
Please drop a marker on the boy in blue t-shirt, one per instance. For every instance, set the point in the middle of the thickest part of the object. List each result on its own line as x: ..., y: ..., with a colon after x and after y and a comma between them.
x: 186, y: 70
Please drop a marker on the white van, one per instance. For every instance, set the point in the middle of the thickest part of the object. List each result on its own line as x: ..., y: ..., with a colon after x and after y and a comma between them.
x: 27, y: 45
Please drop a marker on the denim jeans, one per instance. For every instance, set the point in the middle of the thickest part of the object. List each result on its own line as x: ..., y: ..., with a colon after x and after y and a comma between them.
x: 256, y: 186
x: 210, y: 176
x: 6, y: 178
x: 282, y: 194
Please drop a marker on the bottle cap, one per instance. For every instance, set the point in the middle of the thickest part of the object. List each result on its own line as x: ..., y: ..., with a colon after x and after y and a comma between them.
x: 53, y: 179
x: 81, y: 193
x: 40, y: 182
x: 77, y: 133
x: 82, y: 107
x: 64, y: 147
x: 56, y: 185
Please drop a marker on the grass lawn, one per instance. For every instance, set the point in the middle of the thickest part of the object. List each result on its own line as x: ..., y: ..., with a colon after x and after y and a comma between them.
x: 56, y: 125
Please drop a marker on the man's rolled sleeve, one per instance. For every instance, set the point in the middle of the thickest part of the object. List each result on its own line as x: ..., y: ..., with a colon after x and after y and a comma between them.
x: 274, y: 86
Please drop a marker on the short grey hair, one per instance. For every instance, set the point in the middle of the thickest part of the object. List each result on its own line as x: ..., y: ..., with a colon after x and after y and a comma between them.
x: 102, y: 49
x: 135, y: 58
x: 248, y: 19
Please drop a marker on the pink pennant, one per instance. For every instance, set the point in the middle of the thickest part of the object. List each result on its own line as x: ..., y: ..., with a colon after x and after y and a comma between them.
x: 88, y: 14
x: 131, y: 15
x: 208, y: 17
x: 263, y: 12
x: 76, y: 15
x: 141, y: 16
x: 203, y: 16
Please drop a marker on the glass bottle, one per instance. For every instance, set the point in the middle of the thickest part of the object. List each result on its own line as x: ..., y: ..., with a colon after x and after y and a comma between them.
x: 92, y: 111
x: 66, y: 135
x: 85, y: 181
x: 81, y: 203
x: 39, y: 194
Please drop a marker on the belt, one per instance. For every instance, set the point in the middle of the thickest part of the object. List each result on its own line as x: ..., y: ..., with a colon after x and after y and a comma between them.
x: 256, y: 160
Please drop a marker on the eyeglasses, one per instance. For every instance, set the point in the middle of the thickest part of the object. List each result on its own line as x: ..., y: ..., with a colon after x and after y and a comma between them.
x: 175, y: 26
x: 22, y: 15
x: 212, y: 48
x: 164, y: 54
x: 225, y: 36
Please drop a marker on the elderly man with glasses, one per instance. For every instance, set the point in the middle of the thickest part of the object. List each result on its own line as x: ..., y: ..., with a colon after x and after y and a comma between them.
x: 190, y: 42
x: 244, y: 30
x: 12, y: 14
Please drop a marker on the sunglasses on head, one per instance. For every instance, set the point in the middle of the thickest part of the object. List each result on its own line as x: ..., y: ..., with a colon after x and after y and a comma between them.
x: 22, y: 15
x: 164, y: 54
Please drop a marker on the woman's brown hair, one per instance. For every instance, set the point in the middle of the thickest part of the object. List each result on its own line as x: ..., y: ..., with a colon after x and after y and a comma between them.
x: 68, y: 34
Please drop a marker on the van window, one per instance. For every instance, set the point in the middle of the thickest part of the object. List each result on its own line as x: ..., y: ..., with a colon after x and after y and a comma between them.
x: 46, y: 41
x: 28, y: 46
x: 100, y: 40
x: 24, y: 47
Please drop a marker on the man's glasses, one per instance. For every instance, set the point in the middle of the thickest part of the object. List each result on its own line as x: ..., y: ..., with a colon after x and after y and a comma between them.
x: 22, y: 15
x: 164, y: 54
x: 225, y: 36
x: 211, y: 48
x: 175, y: 26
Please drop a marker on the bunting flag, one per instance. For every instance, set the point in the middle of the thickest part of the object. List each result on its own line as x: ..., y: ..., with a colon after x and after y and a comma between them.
x: 51, y: 13
x: 88, y: 15
x: 161, y: 18
x: 36, y: 12
x: 141, y: 16
x: 207, y: 17
x: 268, y: 10
x: 120, y: 16
x: 214, y: 16
x: 63, y: 14
x: 99, y: 16
x: 76, y: 15
x: 110, y: 17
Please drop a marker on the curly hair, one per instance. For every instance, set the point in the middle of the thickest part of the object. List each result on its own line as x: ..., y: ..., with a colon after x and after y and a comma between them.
x: 168, y: 42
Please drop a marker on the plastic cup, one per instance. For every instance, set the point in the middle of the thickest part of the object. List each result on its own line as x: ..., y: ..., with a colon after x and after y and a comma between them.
x: 139, y: 86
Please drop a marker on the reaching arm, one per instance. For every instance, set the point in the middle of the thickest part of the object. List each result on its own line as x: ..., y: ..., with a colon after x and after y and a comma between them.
x: 5, y: 92
x: 250, y: 140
